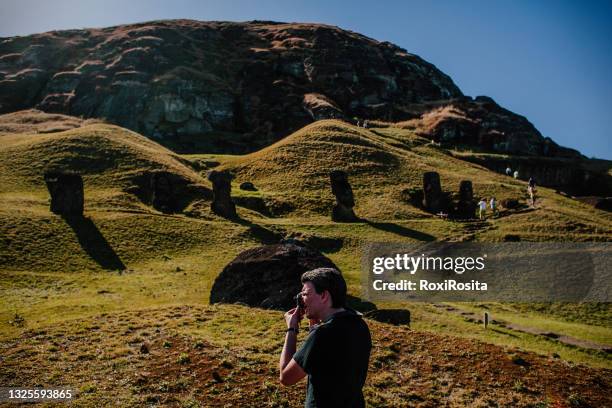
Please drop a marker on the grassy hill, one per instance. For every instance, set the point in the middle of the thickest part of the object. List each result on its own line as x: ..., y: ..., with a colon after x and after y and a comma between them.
x: 89, y: 293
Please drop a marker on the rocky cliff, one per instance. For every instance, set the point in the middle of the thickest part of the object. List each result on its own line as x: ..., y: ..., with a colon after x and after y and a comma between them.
x: 188, y: 80
x: 236, y: 87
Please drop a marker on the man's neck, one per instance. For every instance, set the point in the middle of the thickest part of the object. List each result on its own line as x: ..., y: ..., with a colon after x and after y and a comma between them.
x: 329, y: 312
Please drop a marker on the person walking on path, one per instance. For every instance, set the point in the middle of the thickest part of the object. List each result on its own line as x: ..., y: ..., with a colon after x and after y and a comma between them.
x: 531, y: 190
x: 482, y: 208
x: 493, y: 205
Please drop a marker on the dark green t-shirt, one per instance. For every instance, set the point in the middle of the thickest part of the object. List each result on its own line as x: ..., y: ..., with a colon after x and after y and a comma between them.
x: 335, y: 356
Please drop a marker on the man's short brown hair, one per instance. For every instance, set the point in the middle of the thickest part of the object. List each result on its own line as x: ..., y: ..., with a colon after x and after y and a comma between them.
x: 329, y: 279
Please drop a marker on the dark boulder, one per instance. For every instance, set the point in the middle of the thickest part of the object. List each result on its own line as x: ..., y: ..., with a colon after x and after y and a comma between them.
x: 66, y: 191
x: 222, y: 189
x: 391, y: 316
x: 343, y: 210
x: 248, y: 186
x: 267, y: 276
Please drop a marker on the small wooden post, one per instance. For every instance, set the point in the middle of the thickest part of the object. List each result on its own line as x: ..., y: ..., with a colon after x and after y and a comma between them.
x: 486, y: 319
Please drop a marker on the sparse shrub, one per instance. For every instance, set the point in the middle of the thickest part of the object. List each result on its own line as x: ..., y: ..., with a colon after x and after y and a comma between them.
x: 576, y: 400
x: 18, y: 320
x: 519, y: 386
x: 183, y: 358
x: 190, y: 403
x: 167, y: 344
x: 88, y: 389
x: 199, y: 345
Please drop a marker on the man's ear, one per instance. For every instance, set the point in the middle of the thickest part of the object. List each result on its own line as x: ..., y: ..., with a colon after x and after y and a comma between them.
x: 326, y: 295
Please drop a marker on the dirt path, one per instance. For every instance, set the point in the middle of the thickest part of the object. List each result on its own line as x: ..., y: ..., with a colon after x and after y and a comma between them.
x: 572, y: 341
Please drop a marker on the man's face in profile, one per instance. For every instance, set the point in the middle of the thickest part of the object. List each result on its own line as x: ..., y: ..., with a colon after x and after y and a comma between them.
x: 313, y: 302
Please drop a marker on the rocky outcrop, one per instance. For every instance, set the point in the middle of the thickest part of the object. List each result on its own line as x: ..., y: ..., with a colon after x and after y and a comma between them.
x: 572, y: 175
x: 186, y: 82
x: 267, y: 276
x: 482, y: 123
x: 66, y: 190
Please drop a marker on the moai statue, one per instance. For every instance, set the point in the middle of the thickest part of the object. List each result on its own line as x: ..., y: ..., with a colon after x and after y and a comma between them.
x: 432, y: 192
x: 66, y: 191
x: 466, y: 207
x: 162, y: 194
x: 222, y: 188
x: 343, y: 210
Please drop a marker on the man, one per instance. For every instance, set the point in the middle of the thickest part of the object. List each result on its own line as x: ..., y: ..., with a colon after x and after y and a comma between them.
x: 335, y: 354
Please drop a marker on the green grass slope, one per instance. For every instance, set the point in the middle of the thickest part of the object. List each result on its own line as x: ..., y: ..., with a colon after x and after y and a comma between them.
x: 383, y: 162
x: 125, y: 257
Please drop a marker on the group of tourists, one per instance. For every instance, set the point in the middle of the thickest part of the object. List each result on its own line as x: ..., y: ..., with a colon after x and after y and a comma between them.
x: 482, y: 207
x: 364, y: 124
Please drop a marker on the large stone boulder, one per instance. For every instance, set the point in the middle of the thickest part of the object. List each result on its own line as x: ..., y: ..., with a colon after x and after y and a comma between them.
x: 267, y: 276
x: 343, y: 210
x: 392, y: 316
x: 66, y: 191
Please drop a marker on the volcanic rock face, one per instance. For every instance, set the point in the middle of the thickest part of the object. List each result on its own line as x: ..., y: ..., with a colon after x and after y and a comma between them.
x: 483, y: 123
x: 184, y: 81
x: 267, y: 276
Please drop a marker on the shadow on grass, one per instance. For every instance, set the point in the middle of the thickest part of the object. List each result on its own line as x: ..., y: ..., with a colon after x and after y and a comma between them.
x: 399, y: 230
x: 94, y: 243
x: 359, y: 304
x: 261, y: 234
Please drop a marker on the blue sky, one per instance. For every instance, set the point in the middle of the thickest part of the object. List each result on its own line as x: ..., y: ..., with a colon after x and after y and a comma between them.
x: 550, y: 61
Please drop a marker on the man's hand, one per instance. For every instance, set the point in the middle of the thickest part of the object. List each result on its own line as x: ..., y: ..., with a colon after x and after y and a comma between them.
x: 293, y: 318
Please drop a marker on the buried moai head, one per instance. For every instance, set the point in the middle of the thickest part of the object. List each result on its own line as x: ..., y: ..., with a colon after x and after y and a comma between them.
x: 66, y: 190
x: 466, y: 206
x: 432, y: 192
x: 343, y: 210
x: 162, y: 191
x: 222, y: 189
